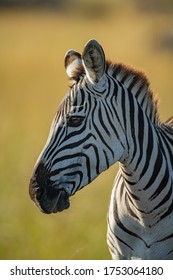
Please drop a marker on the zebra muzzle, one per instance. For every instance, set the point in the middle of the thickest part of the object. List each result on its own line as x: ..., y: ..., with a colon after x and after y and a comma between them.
x: 48, y: 198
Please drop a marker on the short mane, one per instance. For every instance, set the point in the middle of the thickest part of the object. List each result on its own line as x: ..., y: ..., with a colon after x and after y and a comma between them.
x: 136, y: 82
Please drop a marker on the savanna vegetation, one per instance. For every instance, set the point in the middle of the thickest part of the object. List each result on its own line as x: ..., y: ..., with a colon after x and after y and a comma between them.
x: 32, y: 83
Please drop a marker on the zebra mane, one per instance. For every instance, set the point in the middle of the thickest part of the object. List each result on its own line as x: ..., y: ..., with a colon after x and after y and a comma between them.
x: 137, y: 83
x: 133, y: 80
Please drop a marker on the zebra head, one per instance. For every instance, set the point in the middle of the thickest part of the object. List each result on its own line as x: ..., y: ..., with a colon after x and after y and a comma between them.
x: 86, y: 135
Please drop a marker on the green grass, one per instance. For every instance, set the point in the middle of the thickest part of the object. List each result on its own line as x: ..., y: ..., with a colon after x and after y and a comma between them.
x: 32, y: 84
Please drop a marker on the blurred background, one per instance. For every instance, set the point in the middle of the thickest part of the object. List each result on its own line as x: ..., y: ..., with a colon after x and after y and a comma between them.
x: 34, y: 36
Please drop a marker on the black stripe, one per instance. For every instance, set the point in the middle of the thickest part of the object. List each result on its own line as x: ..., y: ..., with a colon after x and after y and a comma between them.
x: 129, y: 210
x: 74, y: 173
x: 59, y: 135
x: 157, y: 167
x: 170, y: 252
x: 75, y: 132
x: 119, y: 238
x: 77, y: 155
x: 83, y: 94
x: 132, y: 123
x: 99, y: 134
x: 134, y: 81
x: 139, y: 91
x: 166, y: 238
x: 112, y: 247
x: 123, y: 102
x: 73, y: 145
x: 119, y: 223
x: 102, y: 122
x: 161, y: 186
x: 106, y: 158
x: 140, y: 136
x: 126, y: 75
x: 96, y: 155
x: 164, y: 200
x: 148, y: 151
x: 134, y: 205
x: 168, y: 212
x: 71, y: 166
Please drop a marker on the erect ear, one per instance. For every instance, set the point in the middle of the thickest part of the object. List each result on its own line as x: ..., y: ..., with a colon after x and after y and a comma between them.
x: 93, y: 59
x: 73, y: 65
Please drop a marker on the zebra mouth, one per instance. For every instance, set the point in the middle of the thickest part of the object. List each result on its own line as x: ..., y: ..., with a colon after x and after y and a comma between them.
x: 50, y: 200
x: 48, y: 197
x: 62, y: 202
x: 55, y: 202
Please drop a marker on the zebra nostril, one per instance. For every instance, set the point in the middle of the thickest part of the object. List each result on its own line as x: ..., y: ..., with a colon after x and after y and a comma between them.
x: 40, y: 176
x: 38, y: 182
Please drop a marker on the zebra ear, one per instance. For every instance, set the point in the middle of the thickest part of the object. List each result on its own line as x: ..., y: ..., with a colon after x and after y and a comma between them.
x: 73, y: 65
x: 93, y: 59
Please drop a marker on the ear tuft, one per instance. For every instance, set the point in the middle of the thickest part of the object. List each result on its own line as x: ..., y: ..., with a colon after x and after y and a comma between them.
x: 73, y: 64
x: 94, y: 61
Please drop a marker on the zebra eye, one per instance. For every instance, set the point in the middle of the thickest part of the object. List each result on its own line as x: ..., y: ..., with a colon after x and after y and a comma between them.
x: 75, y: 121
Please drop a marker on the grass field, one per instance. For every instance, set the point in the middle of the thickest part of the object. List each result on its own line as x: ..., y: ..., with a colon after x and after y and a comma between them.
x: 32, y: 83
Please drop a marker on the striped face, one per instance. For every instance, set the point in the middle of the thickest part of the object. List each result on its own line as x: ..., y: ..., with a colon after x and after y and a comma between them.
x: 85, y: 137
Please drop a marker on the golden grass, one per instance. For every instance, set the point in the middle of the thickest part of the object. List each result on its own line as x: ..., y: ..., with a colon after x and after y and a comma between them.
x: 32, y: 84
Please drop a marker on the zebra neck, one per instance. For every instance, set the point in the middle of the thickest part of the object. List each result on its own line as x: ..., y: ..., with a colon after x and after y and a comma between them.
x: 146, y: 179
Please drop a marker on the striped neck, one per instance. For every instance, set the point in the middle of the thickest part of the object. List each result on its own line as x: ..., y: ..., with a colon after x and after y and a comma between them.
x: 144, y: 188
x: 145, y: 157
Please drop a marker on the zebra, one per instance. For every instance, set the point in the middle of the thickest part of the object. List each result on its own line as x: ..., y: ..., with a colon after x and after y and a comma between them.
x: 110, y: 115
